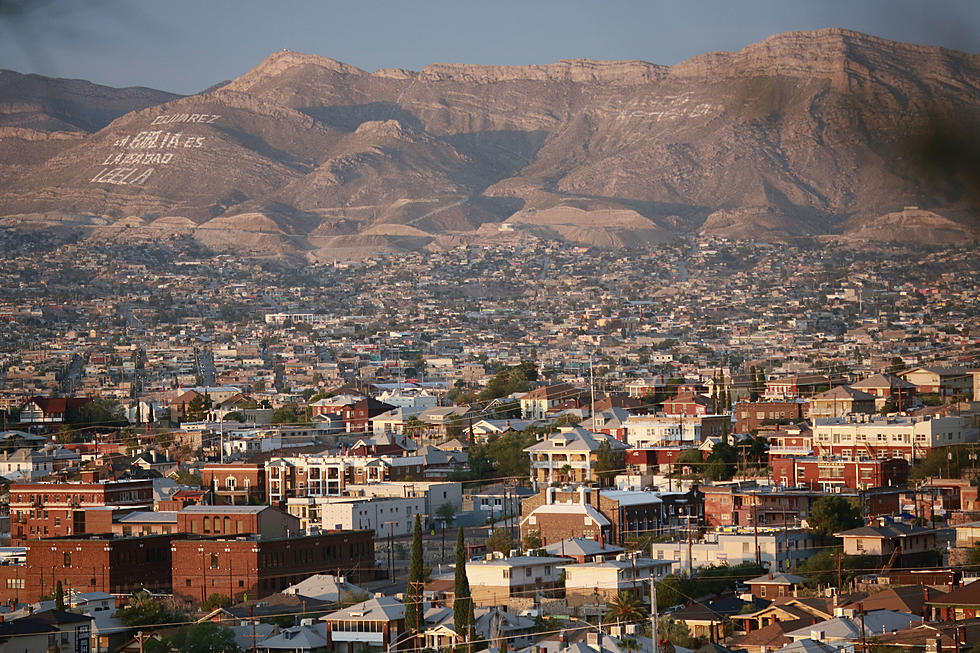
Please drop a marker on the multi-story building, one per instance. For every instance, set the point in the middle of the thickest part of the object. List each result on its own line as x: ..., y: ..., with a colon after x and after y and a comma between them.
x: 305, y: 476
x: 610, y: 515
x: 568, y: 456
x: 780, y: 548
x: 266, y: 521
x: 738, y: 505
x: 40, y: 510
x: 751, y: 415
x: 840, y: 401
x: 888, y: 388
x: 235, y: 483
x: 911, y: 438
x: 796, y: 387
x: 646, y: 431
x: 385, y: 516
x: 257, y: 566
x: 541, y: 402
x: 834, y: 473
x: 944, y: 381
x: 99, y: 563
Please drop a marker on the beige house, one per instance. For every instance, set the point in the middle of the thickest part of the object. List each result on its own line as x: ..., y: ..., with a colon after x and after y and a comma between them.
x: 591, y: 582
x: 498, y: 578
x: 840, y: 401
x: 568, y: 456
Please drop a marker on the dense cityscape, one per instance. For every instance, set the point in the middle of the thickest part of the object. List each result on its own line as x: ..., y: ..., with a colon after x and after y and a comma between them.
x: 709, y: 445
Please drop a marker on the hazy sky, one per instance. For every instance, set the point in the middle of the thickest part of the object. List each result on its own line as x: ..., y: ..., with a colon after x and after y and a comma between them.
x: 187, y: 45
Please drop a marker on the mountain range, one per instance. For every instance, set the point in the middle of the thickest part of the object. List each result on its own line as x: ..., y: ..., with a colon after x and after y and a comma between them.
x: 830, y: 134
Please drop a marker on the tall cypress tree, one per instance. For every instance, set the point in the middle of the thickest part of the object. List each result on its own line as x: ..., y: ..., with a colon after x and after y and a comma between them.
x: 416, y: 576
x: 753, y: 384
x: 463, y: 617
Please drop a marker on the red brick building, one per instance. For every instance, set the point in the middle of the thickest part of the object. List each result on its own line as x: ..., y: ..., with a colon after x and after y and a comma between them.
x: 41, y: 510
x: 750, y: 415
x: 266, y: 521
x: 828, y: 474
x: 235, y: 483
x: 116, y: 565
x: 687, y: 403
x: 732, y: 505
x: 259, y: 567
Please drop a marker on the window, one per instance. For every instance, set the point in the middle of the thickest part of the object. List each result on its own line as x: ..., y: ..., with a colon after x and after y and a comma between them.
x: 214, y: 561
x: 187, y: 582
x: 762, y: 591
x: 67, y: 558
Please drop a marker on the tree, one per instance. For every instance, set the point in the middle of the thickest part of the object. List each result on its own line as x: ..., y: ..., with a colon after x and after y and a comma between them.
x: 215, y: 601
x: 284, y: 415
x: 187, y: 477
x: 59, y: 597
x: 500, y: 540
x: 446, y: 513
x: 832, y: 514
x: 67, y: 435
x: 416, y: 577
x: 670, y: 591
x: 197, y: 408
x: 625, y: 607
x: 753, y: 384
x: 258, y: 386
x: 608, y: 462
x: 676, y: 632
x: 205, y: 637
x: 532, y: 540
x: 143, y: 610
x: 102, y: 411
x: 463, y: 618
x: 895, y: 365
x: 234, y: 416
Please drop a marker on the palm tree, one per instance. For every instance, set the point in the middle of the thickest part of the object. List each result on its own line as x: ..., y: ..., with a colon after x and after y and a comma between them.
x: 625, y: 607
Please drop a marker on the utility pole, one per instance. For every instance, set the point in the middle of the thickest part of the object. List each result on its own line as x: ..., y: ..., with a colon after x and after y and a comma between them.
x: 251, y: 617
x: 592, y: 388
x: 755, y: 528
x: 864, y: 638
x: 653, y: 612
x: 839, y: 587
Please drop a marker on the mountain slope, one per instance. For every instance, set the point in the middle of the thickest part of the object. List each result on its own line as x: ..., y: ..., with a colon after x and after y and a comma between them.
x: 806, y: 133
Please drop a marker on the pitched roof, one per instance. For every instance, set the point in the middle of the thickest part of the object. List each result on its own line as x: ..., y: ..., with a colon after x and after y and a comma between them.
x: 966, y: 595
x: 844, y: 393
x: 776, y: 579
x: 887, y: 531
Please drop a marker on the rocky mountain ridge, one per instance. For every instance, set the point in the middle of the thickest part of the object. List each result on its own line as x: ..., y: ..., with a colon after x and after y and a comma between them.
x: 804, y: 134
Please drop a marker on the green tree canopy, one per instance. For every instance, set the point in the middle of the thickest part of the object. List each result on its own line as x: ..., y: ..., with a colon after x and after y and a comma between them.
x: 609, y: 463
x: 143, y: 610
x: 463, y: 618
x: 832, y: 514
x: 416, y: 576
x: 500, y: 540
x: 205, y: 637
x: 519, y: 378
x: 625, y: 607
x: 446, y: 512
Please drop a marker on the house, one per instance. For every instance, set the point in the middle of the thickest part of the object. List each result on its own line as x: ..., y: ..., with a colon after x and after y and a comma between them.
x: 541, y: 402
x: 266, y: 521
x: 51, y: 630
x: 834, y: 473
x: 569, y: 456
x: 912, y: 438
x: 497, y: 578
x: 888, y: 388
x: 687, y: 403
x: 850, y: 626
x: 608, y: 515
x: 499, y: 627
x: 839, y: 401
x: 707, y: 618
x: 960, y: 603
x: 893, y: 543
x: 51, y: 410
x: 376, y: 623
x: 796, y: 387
x: 944, y: 381
x: 26, y: 464
x: 602, y: 580
x: 327, y: 588
x: 500, y: 499
x: 774, y: 584
x: 581, y: 549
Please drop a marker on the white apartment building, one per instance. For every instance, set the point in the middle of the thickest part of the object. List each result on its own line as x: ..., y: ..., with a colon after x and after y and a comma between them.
x: 867, y: 436
x: 394, y: 516
x: 645, y: 431
x: 781, y: 549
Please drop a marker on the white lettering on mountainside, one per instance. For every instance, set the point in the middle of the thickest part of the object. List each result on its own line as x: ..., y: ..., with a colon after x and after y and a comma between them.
x: 127, y: 163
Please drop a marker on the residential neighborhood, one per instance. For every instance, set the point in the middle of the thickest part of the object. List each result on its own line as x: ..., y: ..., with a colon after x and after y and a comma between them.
x: 727, y: 446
